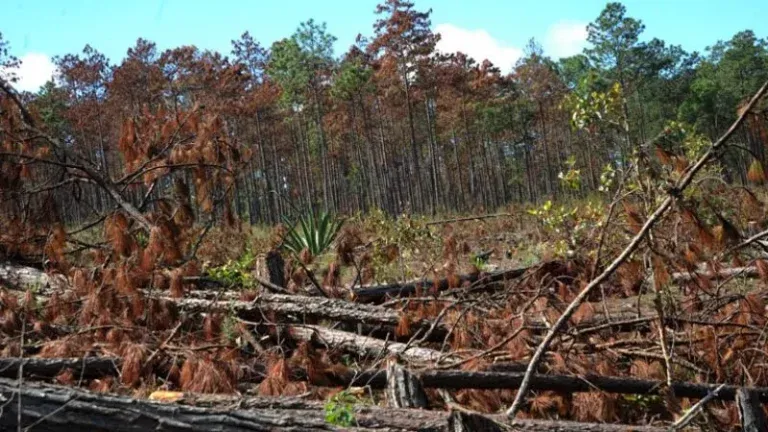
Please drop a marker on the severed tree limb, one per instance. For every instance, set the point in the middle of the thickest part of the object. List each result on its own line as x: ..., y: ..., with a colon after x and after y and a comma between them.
x: 656, y: 216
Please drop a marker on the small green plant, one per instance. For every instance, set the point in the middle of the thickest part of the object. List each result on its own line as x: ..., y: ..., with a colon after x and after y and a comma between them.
x: 644, y: 402
x: 571, y: 178
x: 229, y: 328
x: 480, y: 261
x: 142, y: 238
x: 235, y: 273
x: 313, y: 232
x: 340, y: 409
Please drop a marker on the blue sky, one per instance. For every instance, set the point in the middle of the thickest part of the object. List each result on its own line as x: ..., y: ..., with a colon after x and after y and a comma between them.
x: 496, y: 29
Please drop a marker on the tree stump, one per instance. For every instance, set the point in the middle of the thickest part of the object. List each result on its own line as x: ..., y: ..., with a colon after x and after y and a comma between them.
x: 276, y: 268
x: 751, y: 412
x: 404, y: 390
x: 465, y: 422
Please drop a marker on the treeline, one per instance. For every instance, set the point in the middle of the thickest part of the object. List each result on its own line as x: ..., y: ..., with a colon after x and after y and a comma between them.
x: 392, y: 124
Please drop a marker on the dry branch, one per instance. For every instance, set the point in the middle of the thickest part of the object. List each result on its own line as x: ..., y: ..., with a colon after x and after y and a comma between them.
x: 469, y: 218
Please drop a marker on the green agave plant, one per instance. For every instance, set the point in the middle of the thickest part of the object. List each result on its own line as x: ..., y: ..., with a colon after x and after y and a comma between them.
x: 314, y: 232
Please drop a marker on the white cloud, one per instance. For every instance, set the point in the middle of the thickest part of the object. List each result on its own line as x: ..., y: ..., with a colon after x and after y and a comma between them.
x: 35, y: 70
x: 565, y: 38
x: 478, y: 44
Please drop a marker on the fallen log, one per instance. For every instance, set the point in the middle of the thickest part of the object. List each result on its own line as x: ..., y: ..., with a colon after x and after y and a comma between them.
x: 23, y: 277
x: 495, y: 377
x: 364, y: 345
x: 748, y: 272
x: 56, y: 408
x: 88, y: 367
x: 314, y: 307
x: 378, y: 293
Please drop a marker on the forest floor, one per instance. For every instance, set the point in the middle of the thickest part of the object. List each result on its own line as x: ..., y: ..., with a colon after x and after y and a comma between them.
x: 463, y: 346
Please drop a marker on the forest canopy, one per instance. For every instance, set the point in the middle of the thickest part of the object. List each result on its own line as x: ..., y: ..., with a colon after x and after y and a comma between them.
x: 393, y: 124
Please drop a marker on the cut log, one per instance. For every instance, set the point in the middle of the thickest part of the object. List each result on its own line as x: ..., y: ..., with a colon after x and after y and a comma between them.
x: 751, y: 413
x: 52, y: 408
x: 365, y: 346
x: 403, y: 388
x: 88, y: 367
x: 378, y: 293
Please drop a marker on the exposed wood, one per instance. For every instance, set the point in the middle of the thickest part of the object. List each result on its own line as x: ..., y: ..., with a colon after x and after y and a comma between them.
x: 378, y: 293
x: 55, y: 408
x: 751, y: 413
x: 365, y: 346
x: 312, y: 307
x: 404, y: 390
x: 23, y: 278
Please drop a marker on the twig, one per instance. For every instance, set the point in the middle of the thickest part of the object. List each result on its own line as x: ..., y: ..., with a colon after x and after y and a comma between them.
x: 689, y: 416
x: 164, y: 343
x: 483, y: 353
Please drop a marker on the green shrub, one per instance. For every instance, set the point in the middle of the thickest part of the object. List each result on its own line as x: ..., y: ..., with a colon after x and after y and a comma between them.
x: 235, y: 273
x: 340, y: 409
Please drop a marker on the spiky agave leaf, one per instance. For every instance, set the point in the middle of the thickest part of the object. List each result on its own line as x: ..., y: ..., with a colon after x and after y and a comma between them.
x: 312, y: 232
